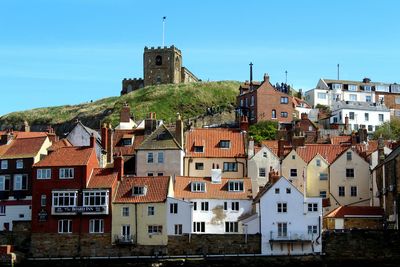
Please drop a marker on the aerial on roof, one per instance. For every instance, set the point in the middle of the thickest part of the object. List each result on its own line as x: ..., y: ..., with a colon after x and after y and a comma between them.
x: 103, y: 178
x: 328, y: 151
x: 151, y: 189
x: 183, y: 188
x: 161, y: 138
x: 356, y: 211
x: 23, y: 147
x: 232, y: 145
x: 67, y: 156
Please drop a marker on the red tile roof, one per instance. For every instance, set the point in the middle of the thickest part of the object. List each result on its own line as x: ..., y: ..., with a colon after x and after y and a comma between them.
x: 67, y: 156
x: 210, y: 139
x: 102, y: 178
x: 157, y: 189
x: 357, y: 211
x: 30, y: 134
x: 297, y: 102
x: 119, y: 134
x: 337, y: 140
x: 328, y: 151
x: 273, y: 146
x: 213, y: 191
x: 61, y: 143
x: 24, y: 147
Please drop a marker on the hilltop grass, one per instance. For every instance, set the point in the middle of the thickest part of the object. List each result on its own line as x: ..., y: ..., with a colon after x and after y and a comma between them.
x: 190, y: 100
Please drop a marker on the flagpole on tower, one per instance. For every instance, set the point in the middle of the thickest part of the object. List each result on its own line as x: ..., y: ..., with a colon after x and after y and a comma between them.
x: 163, y: 30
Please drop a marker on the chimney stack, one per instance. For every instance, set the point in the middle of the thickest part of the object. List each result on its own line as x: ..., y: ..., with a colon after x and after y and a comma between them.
x: 273, y: 176
x: 266, y: 77
x: 281, y: 144
x: 51, y: 134
x: 244, y: 123
x: 150, y: 124
x: 104, y: 136
x: 125, y: 114
x: 179, y: 130
x: 92, y: 140
x: 250, y: 148
x: 304, y: 116
x: 119, y: 166
x: 26, y: 127
x: 110, y: 147
x: 346, y: 122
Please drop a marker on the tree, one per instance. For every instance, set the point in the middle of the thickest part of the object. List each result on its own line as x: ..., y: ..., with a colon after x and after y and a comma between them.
x: 389, y: 130
x: 264, y: 130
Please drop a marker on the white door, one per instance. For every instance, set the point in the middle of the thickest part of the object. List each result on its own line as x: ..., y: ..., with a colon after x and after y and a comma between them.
x: 339, y: 224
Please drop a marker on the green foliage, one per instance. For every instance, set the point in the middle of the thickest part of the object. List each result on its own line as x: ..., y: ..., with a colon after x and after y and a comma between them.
x: 264, y: 130
x: 166, y: 100
x: 389, y: 130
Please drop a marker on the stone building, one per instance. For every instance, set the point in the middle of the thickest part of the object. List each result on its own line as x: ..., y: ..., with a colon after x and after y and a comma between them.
x: 161, y: 65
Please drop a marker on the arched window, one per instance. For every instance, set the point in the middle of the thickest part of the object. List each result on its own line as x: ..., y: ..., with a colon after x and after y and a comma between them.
x: 274, y: 114
x: 158, y: 60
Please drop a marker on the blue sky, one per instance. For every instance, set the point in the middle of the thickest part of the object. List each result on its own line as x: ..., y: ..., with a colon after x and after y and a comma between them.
x: 55, y: 52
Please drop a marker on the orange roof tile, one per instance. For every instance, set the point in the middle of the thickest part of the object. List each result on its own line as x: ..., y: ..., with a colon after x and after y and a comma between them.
x: 102, y: 178
x: 119, y: 134
x: 328, y: 151
x: 24, y: 147
x: 61, y: 143
x: 349, y: 211
x: 67, y: 156
x: 157, y: 189
x: 337, y: 140
x: 272, y: 145
x: 210, y: 138
x: 30, y: 134
x: 213, y: 190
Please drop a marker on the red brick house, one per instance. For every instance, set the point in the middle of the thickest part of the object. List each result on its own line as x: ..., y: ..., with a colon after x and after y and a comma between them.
x: 71, y: 202
x: 265, y: 102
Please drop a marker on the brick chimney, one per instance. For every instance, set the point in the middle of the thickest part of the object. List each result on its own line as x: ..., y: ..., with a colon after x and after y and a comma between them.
x: 244, y: 123
x: 119, y: 166
x: 353, y: 139
x: 104, y: 136
x: 273, y: 176
x: 281, y: 144
x: 179, y: 130
x: 51, y: 134
x: 346, y: 122
x: 266, y: 77
x: 150, y: 124
x: 110, y: 146
x: 92, y: 140
x: 125, y: 114
x: 6, y: 137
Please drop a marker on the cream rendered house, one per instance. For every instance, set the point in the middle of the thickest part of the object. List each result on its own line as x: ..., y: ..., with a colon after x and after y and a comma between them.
x: 349, y: 180
x: 208, y: 149
x: 260, y: 161
x: 140, y: 209
x: 318, y: 177
x: 293, y: 167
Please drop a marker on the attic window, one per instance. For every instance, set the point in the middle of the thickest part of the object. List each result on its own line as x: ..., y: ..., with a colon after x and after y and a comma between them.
x: 139, y: 191
x: 236, y: 186
x: 198, y: 186
x: 127, y: 142
x: 199, y: 149
x: 224, y: 144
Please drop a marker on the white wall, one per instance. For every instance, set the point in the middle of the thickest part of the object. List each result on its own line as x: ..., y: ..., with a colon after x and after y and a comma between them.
x: 297, y: 218
x: 15, y: 213
x: 172, y: 165
x: 184, y: 216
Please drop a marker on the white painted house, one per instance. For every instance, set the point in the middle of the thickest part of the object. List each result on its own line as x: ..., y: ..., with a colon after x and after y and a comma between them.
x: 290, y: 223
x: 217, y: 202
x: 179, y: 216
x: 360, y: 115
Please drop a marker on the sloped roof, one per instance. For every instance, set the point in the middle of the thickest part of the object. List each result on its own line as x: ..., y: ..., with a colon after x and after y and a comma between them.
x: 273, y: 146
x: 24, y: 147
x: 356, y: 211
x: 61, y: 143
x: 210, y: 138
x: 119, y: 148
x: 340, y: 139
x: 157, y: 189
x: 91, y: 131
x: 67, y: 156
x: 161, y: 138
x: 297, y: 102
x: 213, y: 190
x: 102, y: 178
x: 328, y: 151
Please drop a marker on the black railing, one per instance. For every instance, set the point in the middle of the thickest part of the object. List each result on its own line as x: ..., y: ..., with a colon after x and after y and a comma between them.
x: 124, y: 239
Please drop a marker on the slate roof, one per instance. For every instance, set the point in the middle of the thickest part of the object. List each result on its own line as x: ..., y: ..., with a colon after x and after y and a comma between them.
x: 119, y: 134
x: 359, y: 106
x: 328, y: 151
x: 210, y: 138
x: 91, y: 131
x: 157, y: 189
x: 355, y: 211
x: 213, y: 190
x: 23, y: 147
x: 102, y: 178
x: 67, y: 156
x: 161, y: 138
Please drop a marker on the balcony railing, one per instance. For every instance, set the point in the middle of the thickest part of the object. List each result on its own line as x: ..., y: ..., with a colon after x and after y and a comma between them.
x: 4, y: 195
x: 124, y: 239
x: 292, y: 236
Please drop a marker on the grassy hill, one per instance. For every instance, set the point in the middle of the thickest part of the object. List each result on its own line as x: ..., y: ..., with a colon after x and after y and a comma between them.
x: 190, y: 100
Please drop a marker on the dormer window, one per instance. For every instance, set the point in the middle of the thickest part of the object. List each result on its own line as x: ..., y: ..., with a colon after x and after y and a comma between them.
x: 139, y: 191
x: 199, y: 149
x: 352, y: 87
x: 198, y: 186
x: 224, y: 144
x: 236, y: 186
x: 127, y: 142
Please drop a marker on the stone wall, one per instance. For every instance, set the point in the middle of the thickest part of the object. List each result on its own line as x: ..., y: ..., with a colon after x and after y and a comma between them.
x: 356, y: 223
x: 20, y: 237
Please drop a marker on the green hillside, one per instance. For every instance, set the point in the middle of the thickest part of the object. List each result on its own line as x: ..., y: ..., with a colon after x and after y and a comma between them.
x: 190, y: 100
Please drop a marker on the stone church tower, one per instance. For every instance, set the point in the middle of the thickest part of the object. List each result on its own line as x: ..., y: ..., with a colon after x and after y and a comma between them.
x: 161, y: 65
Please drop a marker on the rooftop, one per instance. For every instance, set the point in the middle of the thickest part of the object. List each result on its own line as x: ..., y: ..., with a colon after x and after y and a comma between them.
x: 355, y: 211
x: 67, y: 156
x: 23, y: 147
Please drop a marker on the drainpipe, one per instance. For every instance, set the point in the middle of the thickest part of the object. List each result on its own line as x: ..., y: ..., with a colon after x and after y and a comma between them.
x: 319, y: 230
x: 236, y: 160
x: 136, y: 226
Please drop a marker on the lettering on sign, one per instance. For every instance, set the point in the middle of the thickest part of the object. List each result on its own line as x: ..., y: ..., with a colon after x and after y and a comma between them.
x: 79, y: 209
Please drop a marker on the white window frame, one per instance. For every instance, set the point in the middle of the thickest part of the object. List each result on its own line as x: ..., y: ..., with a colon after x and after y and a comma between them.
x: 69, y: 198
x: 173, y: 208
x: 19, y: 164
x: 312, y: 229
x: 66, y: 173
x: 236, y: 186
x: 198, y: 186
x: 151, y: 210
x: 100, y: 198
x: 18, y: 184
x: 352, y: 87
x: 231, y: 227
x: 96, y: 226
x: 4, y: 164
x: 282, y: 229
x: 235, y: 205
x: 3, y: 179
x: 125, y: 211
x: 204, y: 206
x: 150, y: 157
x: 312, y: 207
x: 65, y: 226
x: 139, y: 191
x: 281, y: 207
x: 42, y: 174
x: 261, y: 172
x: 160, y: 157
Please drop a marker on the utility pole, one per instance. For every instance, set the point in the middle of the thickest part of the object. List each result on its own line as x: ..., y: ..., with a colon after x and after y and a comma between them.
x: 338, y: 70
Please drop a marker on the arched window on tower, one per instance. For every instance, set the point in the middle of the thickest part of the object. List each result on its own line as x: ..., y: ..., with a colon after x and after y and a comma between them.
x: 158, y: 60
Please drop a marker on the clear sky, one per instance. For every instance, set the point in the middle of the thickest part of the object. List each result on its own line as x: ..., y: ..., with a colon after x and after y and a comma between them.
x: 55, y: 52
